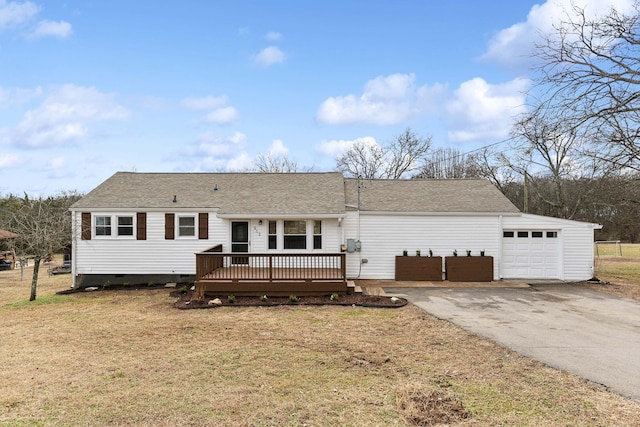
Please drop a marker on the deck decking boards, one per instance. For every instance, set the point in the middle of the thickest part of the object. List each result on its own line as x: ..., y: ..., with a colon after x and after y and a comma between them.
x: 270, y: 274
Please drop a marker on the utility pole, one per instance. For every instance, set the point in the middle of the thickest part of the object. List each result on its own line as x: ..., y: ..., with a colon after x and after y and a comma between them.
x: 526, y: 193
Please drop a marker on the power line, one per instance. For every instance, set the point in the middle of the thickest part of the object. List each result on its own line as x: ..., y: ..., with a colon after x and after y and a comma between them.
x: 483, y: 147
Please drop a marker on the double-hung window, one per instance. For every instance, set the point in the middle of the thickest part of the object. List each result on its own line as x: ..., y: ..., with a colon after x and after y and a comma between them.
x: 186, y: 226
x: 295, y: 234
x: 125, y: 226
x: 317, y: 234
x: 273, y: 235
x: 103, y: 225
x: 114, y: 226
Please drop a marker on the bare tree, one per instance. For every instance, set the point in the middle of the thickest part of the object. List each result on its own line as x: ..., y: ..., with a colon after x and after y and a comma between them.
x: 44, y: 226
x: 276, y: 163
x: 451, y: 163
x: 399, y: 159
x: 405, y: 154
x: 548, y: 155
x: 362, y: 160
x: 490, y: 166
x: 617, y: 208
x: 590, y: 78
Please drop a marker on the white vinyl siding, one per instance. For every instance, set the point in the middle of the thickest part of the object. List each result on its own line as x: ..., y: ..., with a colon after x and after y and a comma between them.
x: 574, y: 243
x: 568, y: 256
x: 156, y: 255
x: 384, y: 236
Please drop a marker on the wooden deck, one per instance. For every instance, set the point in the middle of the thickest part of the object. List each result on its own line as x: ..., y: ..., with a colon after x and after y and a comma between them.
x: 269, y: 274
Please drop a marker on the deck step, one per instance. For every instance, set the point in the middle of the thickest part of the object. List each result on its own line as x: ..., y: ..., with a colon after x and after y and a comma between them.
x: 352, y: 288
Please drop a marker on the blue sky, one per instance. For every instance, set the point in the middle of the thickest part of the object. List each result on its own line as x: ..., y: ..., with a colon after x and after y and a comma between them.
x: 88, y: 88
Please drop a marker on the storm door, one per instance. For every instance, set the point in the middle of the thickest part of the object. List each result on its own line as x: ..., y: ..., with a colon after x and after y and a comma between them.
x: 240, y: 240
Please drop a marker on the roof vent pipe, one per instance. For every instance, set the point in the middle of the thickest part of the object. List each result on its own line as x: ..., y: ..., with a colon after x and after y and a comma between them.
x: 175, y: 198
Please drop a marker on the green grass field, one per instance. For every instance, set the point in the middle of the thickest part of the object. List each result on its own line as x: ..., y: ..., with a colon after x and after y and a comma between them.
x: 612, y: 267
x: 624, y: 250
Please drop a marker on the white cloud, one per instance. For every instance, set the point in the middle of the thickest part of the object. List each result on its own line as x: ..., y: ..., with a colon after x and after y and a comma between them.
x: 238, y: 138
x: 278, y: 148
x: 240, y: 162
x: 478, y: 109
x: 222, y: 116
x: 11, y: 97
x: 149, y: 102
x: 337, y: 147
x: 205, y: 103
x: 514, y: 46
x: 57, y: 162
x: 9, y: 160
x: 46, y: 28
x: 58, y: 168
x: 391, y: 88
x: 13, y: 13
x: 269, y: 56
x: 63, y: 116
x: 220, y: 113
x: 212, y: 152
x: 211, y: 144
x: 386, y: 100
x: 273, y: 36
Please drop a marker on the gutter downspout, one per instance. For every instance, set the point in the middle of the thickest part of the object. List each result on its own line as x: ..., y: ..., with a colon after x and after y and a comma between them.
x: 74, y: 218
x: 500, y: 240
x: 358, y: 233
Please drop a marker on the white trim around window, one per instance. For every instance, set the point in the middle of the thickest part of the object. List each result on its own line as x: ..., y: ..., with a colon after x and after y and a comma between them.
x: 113, y: 226
x: 186, y: 226
x: 301, y: 235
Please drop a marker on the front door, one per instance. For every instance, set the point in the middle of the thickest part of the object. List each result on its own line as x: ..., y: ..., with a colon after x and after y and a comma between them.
x: 240, y: 240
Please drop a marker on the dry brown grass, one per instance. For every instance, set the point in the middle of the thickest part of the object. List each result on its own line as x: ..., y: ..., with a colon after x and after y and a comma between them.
x: 620, y: 276
x: 128, y: 358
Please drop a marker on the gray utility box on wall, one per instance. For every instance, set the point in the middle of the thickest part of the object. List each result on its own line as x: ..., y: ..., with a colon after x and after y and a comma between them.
x: 353, y: 245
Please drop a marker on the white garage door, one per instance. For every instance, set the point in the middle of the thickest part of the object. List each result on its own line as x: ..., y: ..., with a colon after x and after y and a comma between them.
x: 530, y: 254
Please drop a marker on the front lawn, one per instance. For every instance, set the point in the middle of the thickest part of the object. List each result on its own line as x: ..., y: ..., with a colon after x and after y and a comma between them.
x: 130, y: 358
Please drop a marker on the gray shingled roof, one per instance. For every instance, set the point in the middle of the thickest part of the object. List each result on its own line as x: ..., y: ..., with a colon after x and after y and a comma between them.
x: 237, y: 193
x: 291, y: 194
x: 428, y: 195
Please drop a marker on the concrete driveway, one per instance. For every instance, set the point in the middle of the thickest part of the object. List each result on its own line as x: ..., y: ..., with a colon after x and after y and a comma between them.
x: 590, y: 334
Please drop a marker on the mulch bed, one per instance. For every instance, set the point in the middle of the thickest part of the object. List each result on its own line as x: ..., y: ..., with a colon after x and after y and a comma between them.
x: 133, y: 287
x: 357, y: 300
x: 184, y: 298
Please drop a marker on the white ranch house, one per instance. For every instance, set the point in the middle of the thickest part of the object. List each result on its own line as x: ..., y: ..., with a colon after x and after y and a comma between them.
x: 139, y: 227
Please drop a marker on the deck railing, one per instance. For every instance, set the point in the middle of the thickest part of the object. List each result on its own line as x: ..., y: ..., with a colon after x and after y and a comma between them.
x: 237, y: 267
